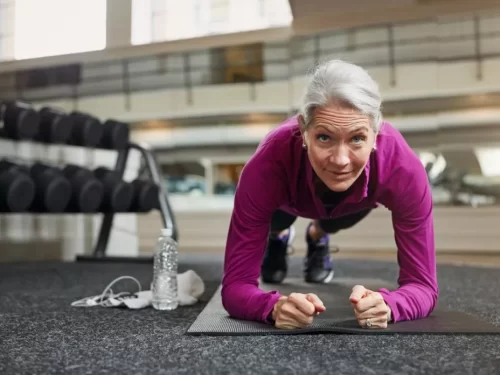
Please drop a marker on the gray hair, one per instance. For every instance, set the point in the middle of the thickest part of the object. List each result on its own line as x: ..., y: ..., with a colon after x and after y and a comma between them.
x: 336, y: 80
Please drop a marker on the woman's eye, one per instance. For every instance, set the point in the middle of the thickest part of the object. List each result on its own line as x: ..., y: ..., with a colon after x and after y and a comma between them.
x: 323, y: 137
x: 358, y: 139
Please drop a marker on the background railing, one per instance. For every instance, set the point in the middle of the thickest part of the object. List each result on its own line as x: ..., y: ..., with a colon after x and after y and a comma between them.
x: 466, y: 39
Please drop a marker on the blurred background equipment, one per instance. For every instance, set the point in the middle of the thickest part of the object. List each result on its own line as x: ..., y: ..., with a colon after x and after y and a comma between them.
x: 55, y: 126
x: 87, y: 130
x: 87, y: 191
x: 118, y: 194
x: 19, y: 120
x: 50, y: 187
x: 115, y: 135
x: 53, y: 191
x: 145, y: 196
x: 17, y: 188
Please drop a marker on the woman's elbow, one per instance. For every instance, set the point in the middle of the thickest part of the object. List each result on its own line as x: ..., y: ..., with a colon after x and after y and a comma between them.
x: 235, y: 300
x: 228, y: 300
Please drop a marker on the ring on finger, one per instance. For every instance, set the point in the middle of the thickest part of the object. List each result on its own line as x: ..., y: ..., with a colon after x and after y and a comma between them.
x: 368, y: 324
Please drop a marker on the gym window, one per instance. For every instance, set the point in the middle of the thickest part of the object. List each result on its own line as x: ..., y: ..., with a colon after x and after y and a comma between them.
x: 58, y: 27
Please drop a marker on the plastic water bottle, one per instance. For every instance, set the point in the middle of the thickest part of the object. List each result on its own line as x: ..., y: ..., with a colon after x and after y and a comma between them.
x: 164, y: 285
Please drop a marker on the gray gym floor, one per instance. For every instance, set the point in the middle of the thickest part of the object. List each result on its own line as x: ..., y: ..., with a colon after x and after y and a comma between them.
x: 40, y: 333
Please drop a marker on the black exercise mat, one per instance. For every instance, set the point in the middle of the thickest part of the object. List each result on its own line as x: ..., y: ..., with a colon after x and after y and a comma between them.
x: 338, y: 317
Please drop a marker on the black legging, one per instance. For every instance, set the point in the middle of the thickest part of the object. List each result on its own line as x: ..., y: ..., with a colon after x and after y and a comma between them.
x: 282, y: 220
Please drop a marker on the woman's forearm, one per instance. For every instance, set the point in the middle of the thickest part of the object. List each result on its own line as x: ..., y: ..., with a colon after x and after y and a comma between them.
x: 411, y: 301
x: 247, y: 301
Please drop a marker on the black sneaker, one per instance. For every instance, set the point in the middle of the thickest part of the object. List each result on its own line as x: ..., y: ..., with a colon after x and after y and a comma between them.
x: 275, y: 264
x: 318, y: 266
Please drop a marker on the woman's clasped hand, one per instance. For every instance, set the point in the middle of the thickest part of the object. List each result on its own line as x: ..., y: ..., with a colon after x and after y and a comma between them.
x: 298, y: 310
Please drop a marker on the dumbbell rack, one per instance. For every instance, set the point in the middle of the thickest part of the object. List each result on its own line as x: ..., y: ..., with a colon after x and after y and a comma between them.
x: 168, y: 218
x: 20, y: 122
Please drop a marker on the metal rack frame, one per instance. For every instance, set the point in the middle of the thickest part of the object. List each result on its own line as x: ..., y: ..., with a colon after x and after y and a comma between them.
x: 167, y: 215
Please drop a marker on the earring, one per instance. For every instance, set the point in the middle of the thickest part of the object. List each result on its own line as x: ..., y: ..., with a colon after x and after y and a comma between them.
x: 304, y: 146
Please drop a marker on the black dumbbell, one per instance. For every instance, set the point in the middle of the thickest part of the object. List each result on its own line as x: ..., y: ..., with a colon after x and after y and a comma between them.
x: 55, y: 126
x: 88, y: 191
x: 115, y: 135
x: 53, y: 190
x: 145, y: 196
x: 17, y: 189
x: 118, y: 194
x: 19, y: 121
x: 86, y: 130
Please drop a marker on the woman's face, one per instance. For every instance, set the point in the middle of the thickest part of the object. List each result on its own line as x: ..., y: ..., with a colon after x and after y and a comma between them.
x: 339, y: 142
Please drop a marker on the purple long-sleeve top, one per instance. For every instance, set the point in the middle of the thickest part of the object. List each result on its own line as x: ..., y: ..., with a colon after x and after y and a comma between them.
x: 280, y: 176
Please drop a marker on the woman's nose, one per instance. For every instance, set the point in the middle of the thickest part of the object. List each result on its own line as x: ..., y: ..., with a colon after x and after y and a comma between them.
x: 340, y: 157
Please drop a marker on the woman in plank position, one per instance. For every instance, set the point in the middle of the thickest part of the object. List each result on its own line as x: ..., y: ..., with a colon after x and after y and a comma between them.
x: 332, y: 163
